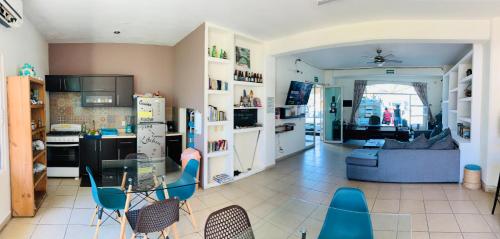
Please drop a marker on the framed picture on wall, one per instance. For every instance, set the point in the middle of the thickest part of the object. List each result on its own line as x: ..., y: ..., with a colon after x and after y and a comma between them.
x: 243, y: 57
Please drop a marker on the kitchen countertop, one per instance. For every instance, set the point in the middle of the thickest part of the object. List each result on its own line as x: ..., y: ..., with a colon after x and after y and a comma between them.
x: 131, y: 135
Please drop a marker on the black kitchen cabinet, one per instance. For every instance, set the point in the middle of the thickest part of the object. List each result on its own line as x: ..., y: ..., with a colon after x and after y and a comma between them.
x: 62, y: 83
x: 107, y: 149
x: 174, y: 147
x: 98, y: 83
x: 89, y: 156
x: 98, y: 99
x: 124, y: 91
x: 125, y: 147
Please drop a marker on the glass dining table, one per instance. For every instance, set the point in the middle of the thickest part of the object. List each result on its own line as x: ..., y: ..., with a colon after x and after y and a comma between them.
x: 140, y: 178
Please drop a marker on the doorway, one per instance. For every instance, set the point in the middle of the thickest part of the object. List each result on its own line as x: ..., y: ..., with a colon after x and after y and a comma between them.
x: 333, y: 115
x: 314, y: 116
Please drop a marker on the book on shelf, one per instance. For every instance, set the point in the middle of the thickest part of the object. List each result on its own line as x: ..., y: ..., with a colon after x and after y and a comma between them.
x: 222, y: 178
x: 218, y: 145
x: 217, y: 85
x: 216, y: 115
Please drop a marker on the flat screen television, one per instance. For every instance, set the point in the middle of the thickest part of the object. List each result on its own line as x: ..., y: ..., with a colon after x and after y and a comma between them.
x: 298, y: 93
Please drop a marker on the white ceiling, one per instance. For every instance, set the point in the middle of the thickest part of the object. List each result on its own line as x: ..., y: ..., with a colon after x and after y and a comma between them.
x: 412, y: 55
x: 168, y: 21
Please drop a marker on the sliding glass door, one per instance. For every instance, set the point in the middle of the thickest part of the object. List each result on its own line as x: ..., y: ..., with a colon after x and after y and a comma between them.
x: 333, y: 114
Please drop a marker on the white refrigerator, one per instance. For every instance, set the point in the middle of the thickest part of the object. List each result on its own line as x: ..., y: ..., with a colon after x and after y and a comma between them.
x: 150, y: 126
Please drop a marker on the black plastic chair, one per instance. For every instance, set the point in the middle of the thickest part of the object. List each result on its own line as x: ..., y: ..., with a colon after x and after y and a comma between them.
x: 227, y: 223
x: 374, y: 120
x: 496, y: 196
x: 158, y: 217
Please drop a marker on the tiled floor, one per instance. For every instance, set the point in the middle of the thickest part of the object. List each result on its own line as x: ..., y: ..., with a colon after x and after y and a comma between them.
x: 301, y: 185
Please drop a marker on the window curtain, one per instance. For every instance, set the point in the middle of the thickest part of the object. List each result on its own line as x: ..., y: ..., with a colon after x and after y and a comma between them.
x: 421, y: 89
x: 359, y: 90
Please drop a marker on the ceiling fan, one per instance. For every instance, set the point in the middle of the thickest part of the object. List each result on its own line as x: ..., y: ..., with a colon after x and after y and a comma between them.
x: 380, y: 59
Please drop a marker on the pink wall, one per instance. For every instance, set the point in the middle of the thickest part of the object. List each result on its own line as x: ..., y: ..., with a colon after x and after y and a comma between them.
x: 152, y: 66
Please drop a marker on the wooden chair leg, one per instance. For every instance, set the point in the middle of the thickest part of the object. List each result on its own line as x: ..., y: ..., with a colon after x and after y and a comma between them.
x: 191, y: 216
x: 124, y: 218
x: 99, y: 221
x: 93, y: 215
x: 174, y: 228
x: 133, y: 236
x: 166, y: 232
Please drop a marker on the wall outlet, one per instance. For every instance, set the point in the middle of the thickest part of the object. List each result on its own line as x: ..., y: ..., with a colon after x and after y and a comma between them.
x: 123, y: 123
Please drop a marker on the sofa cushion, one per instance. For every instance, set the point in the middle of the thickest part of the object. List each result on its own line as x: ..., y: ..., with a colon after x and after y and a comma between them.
x: 394, y: 144
x: 363, y: 157
x: 444, y: 144
x: 436, y: 131
x: 440, y: 136
x: 421, y: 142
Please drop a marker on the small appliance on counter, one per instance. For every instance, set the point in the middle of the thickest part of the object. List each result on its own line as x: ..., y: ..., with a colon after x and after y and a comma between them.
x: 63, y: 150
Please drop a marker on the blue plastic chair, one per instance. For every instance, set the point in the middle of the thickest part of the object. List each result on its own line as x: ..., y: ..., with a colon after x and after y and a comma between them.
x: 112, y: 199
x: 348, y: 216
x: 183, y: 188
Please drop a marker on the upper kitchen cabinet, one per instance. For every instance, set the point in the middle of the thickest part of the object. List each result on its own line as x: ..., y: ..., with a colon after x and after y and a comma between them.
x: 62, y: 83
x: 124, y: 91
x: 98, y: 83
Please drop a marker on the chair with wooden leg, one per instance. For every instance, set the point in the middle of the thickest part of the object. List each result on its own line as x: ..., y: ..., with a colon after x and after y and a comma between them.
x: 111, y: 199
x: 183, y: 189
x: 158, y: 217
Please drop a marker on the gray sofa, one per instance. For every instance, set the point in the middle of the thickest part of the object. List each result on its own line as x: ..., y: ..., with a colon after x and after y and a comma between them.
x: 404, y: 165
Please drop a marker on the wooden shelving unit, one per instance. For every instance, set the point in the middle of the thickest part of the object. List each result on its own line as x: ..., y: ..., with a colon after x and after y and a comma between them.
x: 28, y: 190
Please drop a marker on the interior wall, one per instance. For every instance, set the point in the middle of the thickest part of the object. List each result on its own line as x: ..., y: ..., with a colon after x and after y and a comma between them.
x: 18, y: 46
x: 346, y: 81
x: 286, y: 71
x: 151, y: 65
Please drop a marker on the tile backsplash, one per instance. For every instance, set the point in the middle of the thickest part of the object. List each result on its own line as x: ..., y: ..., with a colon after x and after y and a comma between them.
x: 66, y: 108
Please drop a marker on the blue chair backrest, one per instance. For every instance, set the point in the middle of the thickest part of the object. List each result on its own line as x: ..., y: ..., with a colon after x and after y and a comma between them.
x: 192, y: 168
x: 351, y: 199
x: 185, y: 186
x: 343, y: 224
x: 95, y: 189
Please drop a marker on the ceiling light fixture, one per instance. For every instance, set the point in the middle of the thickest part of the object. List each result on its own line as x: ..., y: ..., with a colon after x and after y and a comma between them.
x: 117, y: 32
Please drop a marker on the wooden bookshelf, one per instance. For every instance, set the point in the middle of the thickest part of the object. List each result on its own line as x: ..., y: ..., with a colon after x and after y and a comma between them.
x: 28, y: 190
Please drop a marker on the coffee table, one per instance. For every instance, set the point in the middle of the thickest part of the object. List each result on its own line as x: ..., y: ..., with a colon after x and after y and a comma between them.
x: 374, y: 144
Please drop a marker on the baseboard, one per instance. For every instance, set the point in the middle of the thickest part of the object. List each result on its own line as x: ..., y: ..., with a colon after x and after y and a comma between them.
x: 4, y: 221
x: 295, y: 153
x: 488, y: 188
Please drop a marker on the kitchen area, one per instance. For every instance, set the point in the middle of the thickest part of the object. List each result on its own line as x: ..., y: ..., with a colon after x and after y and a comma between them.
x: 95, y: 118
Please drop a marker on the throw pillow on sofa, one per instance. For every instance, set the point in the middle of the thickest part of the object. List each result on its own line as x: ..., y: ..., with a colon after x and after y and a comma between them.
x: 394, y: 144
x: 440, y: 136
x: 446, y: 143
x: 421, y: 142
x: 436, y: 131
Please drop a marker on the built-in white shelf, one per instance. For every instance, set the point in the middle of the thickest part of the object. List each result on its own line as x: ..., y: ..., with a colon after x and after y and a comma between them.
x: 465, y: 119
x: 454, y: 90
x: 445, y: 102
x: 246, y: 130
x: 218, y: 60
x: 245, y: 83
x: 217, y: 92
x: 218, y: 153
x: 452, y: 111
x: 218, y: 123
x: 466, y: 99
x: 467, y: 79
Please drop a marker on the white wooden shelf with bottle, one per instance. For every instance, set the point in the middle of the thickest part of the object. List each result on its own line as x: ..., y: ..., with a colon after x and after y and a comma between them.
x: 246, y: 83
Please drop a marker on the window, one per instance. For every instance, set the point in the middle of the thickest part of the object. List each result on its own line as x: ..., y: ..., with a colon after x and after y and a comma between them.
x: 381, y: 96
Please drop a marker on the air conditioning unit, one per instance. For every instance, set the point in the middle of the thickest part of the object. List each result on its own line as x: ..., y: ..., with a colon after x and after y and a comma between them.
x: 11, y: 13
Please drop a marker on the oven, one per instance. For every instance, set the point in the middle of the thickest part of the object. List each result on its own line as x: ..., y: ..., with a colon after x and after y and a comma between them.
x: 63, y: 159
